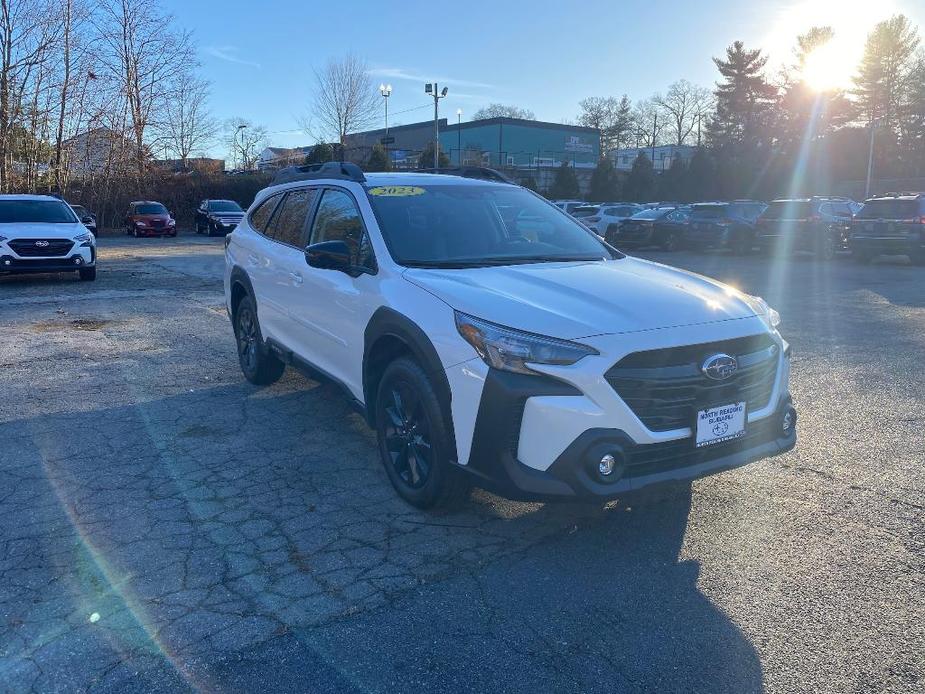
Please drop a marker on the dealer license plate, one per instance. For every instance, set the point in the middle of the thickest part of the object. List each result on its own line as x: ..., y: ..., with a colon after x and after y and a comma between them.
x: 720, y: 423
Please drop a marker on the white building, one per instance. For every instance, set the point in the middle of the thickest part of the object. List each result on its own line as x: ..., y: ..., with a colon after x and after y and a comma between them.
x: 661, y: 156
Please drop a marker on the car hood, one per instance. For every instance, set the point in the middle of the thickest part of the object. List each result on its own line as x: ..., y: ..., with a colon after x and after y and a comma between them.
x: 40, y: 230
x: 581, y: 299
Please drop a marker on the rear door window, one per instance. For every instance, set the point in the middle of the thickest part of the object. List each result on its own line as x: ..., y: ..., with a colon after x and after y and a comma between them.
x: 264, y: 211
x: 288, y: 224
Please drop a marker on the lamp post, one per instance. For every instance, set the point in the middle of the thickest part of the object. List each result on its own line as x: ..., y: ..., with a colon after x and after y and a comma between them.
x: 386, y: 91
x: 459, y: 136
x: 870, y: 157
x: 435, y: 92
x: 236, y: 133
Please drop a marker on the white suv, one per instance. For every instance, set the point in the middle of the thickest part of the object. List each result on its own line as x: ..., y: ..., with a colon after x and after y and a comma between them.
x: 491, y: 339
x: 40, y: 233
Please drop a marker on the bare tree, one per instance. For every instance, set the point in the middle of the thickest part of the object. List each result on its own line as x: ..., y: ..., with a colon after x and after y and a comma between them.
x: 188, y: 126
x: 244, y: 140
x: 680, y: 108
x: 647, y: 123
x: 503, y: 111
x: 146, y: 53
x: 345, y: 100
x: 612, y: 116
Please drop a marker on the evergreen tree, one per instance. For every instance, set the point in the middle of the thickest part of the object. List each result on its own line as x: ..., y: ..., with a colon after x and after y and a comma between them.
x: 320, y: 153
x: 530, y: 183
x: 640, y: 184
x: 672, y: 183
x: 565, y: 184
x: 605, y: 184
x: 886, y: 70
x: 426, y: 160
x: 378, y: 160
x: 744, y: 99
x: 912, y: 121
x: 700, y: 179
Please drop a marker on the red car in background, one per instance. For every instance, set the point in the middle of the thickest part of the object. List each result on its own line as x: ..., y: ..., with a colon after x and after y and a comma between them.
x: 146, y: 218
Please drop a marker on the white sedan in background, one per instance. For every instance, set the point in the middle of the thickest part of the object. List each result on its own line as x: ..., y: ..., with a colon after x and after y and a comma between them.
x: 599, y: 217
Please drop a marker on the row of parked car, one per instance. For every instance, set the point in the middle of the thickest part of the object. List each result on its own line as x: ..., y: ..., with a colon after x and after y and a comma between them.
x: 150, y: 218
x: 888, y: 224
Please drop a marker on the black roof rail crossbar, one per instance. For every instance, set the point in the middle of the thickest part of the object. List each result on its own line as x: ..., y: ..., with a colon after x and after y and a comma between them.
x: 479, y: 172
x: 343, y: 170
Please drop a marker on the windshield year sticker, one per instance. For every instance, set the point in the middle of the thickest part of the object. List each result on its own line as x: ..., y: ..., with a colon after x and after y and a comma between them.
x: 396, y: 191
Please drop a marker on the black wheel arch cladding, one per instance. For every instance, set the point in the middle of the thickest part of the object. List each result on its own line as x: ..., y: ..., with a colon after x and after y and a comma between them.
x: 239, y: 278
x: 389, y: 327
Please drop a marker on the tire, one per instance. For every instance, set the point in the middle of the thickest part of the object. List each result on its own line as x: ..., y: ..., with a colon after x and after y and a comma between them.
x: 135, y: 233
x: 258, y: 365
x: 414, y: 444
x: 87, y: 274
x: 209, y: 230
x: 670, y: 243
x: 198, y: 228
x: 742, y: 244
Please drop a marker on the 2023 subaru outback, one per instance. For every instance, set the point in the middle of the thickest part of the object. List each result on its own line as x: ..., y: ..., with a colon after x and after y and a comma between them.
x: 491, y: 339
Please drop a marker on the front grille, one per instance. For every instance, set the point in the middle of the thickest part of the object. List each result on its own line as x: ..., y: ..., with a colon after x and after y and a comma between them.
x: 655, y: 458
x: 665, y: 387
x: 156, y: 223
x: 41, y: 248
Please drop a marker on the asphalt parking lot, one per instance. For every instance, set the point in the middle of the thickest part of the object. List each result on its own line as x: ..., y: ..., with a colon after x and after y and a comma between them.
x: 166, y: 526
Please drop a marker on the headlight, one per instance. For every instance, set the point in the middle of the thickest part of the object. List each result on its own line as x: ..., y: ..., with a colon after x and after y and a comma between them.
x: 139, y: 223
x: 770, y: 317
x: 83, y: 238
x: 513, y: 350
x: 171, y: 222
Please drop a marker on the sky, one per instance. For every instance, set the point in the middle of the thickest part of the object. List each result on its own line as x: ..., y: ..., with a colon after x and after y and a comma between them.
x: 544, y: 56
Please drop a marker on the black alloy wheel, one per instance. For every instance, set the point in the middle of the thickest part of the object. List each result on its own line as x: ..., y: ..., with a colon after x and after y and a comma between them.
x: 407, y: 436
x: 258, y: 365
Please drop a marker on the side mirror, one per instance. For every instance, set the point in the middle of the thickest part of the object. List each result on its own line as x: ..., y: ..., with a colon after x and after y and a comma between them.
x: 329, y: 255
x: 87, y: 220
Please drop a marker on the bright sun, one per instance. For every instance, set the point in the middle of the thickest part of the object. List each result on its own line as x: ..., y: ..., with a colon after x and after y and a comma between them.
x: 828, y: 67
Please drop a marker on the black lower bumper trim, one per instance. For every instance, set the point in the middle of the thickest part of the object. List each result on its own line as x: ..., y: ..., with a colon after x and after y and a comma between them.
x: 9, y: 264
x: 573, y: 475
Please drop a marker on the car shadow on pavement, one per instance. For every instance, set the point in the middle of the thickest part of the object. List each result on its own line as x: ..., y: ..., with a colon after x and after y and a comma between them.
x: 237, y: 537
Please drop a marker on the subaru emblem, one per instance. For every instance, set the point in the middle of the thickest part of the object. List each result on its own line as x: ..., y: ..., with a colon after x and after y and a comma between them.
x: 41, y: 244
x: 719, y: 367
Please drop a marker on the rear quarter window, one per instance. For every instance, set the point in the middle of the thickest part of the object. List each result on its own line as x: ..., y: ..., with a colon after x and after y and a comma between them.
x: 261, y: 215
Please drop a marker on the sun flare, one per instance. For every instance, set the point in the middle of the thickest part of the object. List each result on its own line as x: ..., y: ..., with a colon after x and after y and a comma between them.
x: 828, y: 67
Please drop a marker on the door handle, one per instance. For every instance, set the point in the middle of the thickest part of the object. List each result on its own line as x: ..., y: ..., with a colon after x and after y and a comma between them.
x: 295, y: 277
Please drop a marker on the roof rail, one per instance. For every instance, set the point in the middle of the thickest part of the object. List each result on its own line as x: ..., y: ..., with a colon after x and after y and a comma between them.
x: 480, y: 172
x: 343, y: 170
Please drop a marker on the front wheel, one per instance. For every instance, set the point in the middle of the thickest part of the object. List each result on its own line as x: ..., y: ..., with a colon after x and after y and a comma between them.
x: 414, y: 444
x: 258, y: 365
x: 87, y: 274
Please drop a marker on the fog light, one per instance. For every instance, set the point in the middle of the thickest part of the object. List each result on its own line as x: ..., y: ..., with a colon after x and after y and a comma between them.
x: 788, y: 422
x: 77, y: 261
x: 607, y: 464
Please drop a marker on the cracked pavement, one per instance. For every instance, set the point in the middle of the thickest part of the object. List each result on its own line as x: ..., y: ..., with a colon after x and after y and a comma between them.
x: 166, y: 526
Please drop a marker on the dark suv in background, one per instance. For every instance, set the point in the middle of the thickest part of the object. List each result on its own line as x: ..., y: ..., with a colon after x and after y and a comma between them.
x: 890, y: 224
x: 820, y: 225
x: 724, y: 225
x: 662, y: 227
x: 218, y: 217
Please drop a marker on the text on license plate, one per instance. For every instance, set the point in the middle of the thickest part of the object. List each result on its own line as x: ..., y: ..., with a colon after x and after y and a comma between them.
x: 720, y: 423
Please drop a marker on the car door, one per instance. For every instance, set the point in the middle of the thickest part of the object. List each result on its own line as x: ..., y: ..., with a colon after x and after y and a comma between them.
x: 334, y: 307
x: 284, y: 263
x: 257, y: 252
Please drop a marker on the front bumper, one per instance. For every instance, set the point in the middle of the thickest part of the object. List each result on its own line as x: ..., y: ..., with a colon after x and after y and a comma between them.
x: 542, y: 437
x: 83, y: 256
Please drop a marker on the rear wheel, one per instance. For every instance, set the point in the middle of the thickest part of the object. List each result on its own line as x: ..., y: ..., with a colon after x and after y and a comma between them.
x: 670, y: 243
x: 414, y: 444
x: 258, y: 365
x: 87, y: 274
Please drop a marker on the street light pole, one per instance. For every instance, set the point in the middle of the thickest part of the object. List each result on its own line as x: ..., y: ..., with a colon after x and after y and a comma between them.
x: 386, y: 91
x: 459, y: 136
x: 435, y: 91
x: 241, y: 146
x: 870, y: 157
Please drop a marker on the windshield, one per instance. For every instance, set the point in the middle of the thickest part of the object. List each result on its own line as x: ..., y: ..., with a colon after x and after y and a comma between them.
x: 889, y: 209
x: 471, y: 225
x: 788, y: 209
x: 39, y: 211
x: 708, y: 211
x: 224, y: 206
x: 151, y: 208
x: 657, y: 213
x: 80, y: 211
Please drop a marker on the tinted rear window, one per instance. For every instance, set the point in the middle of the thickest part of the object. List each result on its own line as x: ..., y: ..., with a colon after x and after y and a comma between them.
x: 584, y: 211
x: 889, y: 209
x: 709, y: 211
x: 657, y: 213
x: 41, y: 211
x: 788, y: 210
